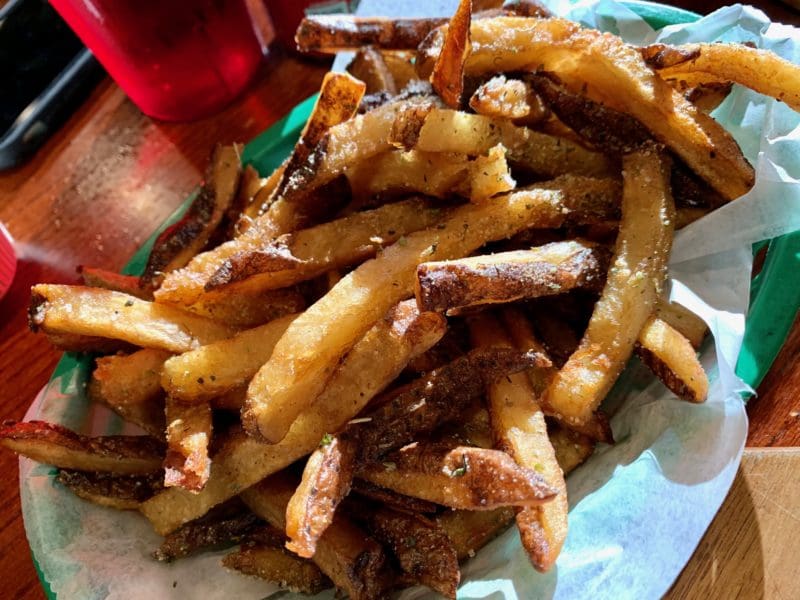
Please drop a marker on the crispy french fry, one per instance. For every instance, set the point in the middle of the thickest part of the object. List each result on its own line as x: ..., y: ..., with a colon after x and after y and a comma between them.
x: 108, y: 280
x: 631, y: 291
x: 277, y: 566
x: 180, y: 242
x: 571, y: 448
x: 245, y: 308
x: 447, y: 77
x: 460, y: 477
x: 705, y: 96
x: 306, y: 355
x: 187, y: 464
x: 511, y: 99
x: 673, y: 359
x: 259, y: 201
x: 123, y: 492
x: 368, y: 66
x: 489, y: 175
x: 393, y: 499
x: 423, y: 549
x: 242, y: 461
x: 55, y: 445
x: 546, y: 155
x: 690, y: 326
x: 131, y: 386
x: 326, y: 480
x: 520, y: 430
x: 616, y: 75
x: 205, y: 533
x: 96, y: 312
x: 353, y: 561
x: 508, y: 276
x: 471, y: 530
x: 310, y: 252
x: 208, y: 371
x: 400, y: 67
x: 333, y: 33
x: 760, y: 70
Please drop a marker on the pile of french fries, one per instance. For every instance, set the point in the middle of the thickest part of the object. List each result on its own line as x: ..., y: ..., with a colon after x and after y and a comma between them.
x: 361, y: 368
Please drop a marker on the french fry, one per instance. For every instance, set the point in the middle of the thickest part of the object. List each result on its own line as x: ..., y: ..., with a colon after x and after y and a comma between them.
x: 108, y: 280
x: 572, y: 448
x: 55, y: 445
x: 58, y: 309
x: 242, y: 461
x: 208, y: 371
x: 247, y: 307
x: 760, y: 70
x: 460, y: 477
x: 471, y: 530
x: 673, y: 359
x: 310, y: 252
x: 546, y: 155
x: 180, y: 242
x: 334, y: 33
x: 616, y: 75
x: 326, y: 480
x: 690, y: 326
x: 706, y: 96
x: 630, y: 294
x: 313, y: 344
x: 123, y: 492
x: 489, y: 175
x: 369, y: 66
x: 423, y: 549
x: 186, y: 464
x: 352, y: 560
x: 393, y: 499
x: 400, y: 67
x: 508, y: 276
x: 206, y: 533
x: 520, y: 430
x: 131, y: 386
x: 511, y: 99
x: 447, y: 77
x: 277, y: 566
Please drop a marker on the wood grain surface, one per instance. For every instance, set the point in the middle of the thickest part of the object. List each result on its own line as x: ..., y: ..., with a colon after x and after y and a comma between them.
x: 103, y: 183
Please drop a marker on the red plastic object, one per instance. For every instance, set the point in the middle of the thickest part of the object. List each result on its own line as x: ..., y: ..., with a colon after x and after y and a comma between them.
x: 178, y: 60
x: 8, y: 261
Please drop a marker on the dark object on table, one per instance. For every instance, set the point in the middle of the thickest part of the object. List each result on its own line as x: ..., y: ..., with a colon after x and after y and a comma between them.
x: 47, y: 73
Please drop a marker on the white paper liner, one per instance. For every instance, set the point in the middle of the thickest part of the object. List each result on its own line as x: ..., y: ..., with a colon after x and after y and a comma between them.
x: 638, y: 508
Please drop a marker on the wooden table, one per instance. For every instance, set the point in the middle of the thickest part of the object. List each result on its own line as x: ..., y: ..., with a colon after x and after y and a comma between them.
x: 104, y: 182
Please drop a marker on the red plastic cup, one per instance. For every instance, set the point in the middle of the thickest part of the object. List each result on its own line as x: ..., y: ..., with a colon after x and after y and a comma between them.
x: 178, y: 60
x: 8, y: 261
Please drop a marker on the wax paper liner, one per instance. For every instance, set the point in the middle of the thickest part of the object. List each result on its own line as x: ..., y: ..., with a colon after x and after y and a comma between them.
x: 638, y: 508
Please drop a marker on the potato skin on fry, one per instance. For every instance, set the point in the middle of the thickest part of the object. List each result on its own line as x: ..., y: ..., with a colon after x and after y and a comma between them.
x: 331, y: 34
x: 123, y: 492
x: 277, y: 566
x: 55, y: 445
x: 205, y: 533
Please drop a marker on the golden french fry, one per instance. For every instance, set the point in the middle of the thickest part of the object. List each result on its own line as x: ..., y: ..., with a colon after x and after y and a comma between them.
x: 189, y: 431
x: 131, y: 386
x: 673, y: 359
x: 760, y: 70
x: 400, y: 67
x: 462, y: 477
x: 508, y: 276
x: 313, y: 344
x: 546, y: 155
x: 690, y: 326
x: 519, y: 429
x: 354, y: 562
x: 511, y: 99
x: 615, y: 74
x: 631, y: 291
x: 245, y: 308
x: 242, y: 461
x: 96, y: 312
x: 55, y: 445
x: 208, y: 371
x: 571, y: 447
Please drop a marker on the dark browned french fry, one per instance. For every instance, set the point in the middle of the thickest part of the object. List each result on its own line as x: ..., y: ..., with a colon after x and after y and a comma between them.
x: 471, y: 530
x: 206, y: 533
x: 108, y: 280
x: 509, y: 276
x: 277, y: 566
x: 447, y: 77
x: 392, y: 499
x: 130, y: 385
x: 123, y: 492
x: 354, y: 562
x: 333, y: 33
x: 368, y: 66
x: 189, y: 430
x: 178, y: 244
x: 55, y: 445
